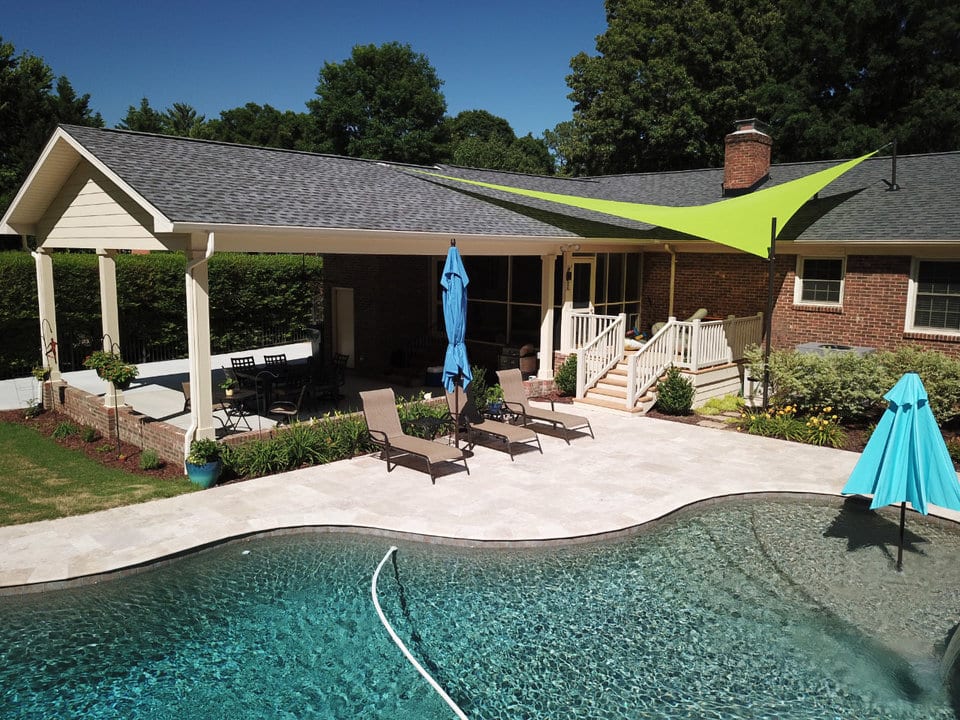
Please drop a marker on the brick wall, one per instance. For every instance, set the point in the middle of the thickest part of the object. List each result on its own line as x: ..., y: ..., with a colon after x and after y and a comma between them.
x: 746, y: 159
x: 873, y: 312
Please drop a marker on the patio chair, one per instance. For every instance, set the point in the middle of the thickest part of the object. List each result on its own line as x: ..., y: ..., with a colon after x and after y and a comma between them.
x: 243, y: 368
x: 515, y: 399
x: 383, y: 424
x: 327, y: 387
x: 467, y: 419
x: 287, y: 409
x: 277, y: 364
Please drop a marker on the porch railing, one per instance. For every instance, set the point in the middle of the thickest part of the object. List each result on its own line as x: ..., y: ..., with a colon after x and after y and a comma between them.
x: 693, y: 345
x: 601, y: 353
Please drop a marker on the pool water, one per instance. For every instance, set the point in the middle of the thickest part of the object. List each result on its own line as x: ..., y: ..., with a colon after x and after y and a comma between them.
x: 742, y: 610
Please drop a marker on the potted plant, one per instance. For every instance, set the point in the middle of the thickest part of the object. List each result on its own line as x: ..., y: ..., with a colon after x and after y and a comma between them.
x: 203, y: 462
x: 112, y: 368
x: 228, y: 385
x: 495, y: 400
x: 41, y: 373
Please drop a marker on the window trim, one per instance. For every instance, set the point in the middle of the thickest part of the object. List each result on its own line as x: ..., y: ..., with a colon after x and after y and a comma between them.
x: 799, y: 279
x: 909, y: 325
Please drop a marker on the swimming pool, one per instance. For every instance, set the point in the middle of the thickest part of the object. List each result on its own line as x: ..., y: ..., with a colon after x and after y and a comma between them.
x: 741, y: 610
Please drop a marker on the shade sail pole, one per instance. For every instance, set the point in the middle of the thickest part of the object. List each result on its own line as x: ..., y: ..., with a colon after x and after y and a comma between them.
x: 768, y: 319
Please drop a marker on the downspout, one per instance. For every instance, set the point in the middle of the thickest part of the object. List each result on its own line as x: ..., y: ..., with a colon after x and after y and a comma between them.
x: 192, y: 335
x: 673, y: 275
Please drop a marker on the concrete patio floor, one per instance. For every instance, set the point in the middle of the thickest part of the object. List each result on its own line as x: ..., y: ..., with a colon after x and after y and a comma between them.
x: 636, y: 470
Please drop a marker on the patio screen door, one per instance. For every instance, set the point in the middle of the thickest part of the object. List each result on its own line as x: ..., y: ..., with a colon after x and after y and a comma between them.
x: 584, y: 282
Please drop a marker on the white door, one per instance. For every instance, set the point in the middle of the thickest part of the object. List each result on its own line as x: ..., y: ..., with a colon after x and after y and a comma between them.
x: 343, y: 337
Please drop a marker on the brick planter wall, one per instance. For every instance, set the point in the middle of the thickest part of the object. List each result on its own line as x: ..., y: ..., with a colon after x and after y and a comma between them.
x: 87, y: 409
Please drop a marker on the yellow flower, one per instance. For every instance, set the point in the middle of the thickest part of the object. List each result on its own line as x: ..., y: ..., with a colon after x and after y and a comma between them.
x: 827, y: 409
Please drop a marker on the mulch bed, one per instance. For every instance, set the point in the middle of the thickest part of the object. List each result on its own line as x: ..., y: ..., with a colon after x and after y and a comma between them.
x: 102, y: 450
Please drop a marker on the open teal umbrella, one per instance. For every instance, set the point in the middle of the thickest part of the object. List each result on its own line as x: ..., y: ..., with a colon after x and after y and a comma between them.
x: 454, y: 281
x: 906, y: 459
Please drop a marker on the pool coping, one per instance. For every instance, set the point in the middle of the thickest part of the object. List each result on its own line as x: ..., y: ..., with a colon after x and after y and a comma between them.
x: 590, y: 490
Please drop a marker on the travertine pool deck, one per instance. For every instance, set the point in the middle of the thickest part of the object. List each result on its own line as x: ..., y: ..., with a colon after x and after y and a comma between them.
x: 636, y: 470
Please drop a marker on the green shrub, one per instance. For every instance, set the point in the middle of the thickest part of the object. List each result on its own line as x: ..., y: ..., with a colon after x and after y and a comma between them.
x: 89, y: 435
x: 565, y: 378
x: 675, y: 393
x: 717, y: 405
x: 63, y: 430
x: 953, y: 447
x: 940, y: 375
x: 149, y: 460
x: 477, y: 389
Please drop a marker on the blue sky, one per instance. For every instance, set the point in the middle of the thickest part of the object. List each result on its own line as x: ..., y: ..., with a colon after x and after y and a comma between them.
x: 509, y: 58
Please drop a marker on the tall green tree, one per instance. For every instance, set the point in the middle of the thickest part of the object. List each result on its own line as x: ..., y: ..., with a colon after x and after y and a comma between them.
x: 832, y: 79
x: 383, y: 102
x: 261, y: 125
x: 30, y: 109
x: 481, y: 139
x: 669, y: 77
x: 143, y: 119
x: 859, y: 74
x: 182, y: 120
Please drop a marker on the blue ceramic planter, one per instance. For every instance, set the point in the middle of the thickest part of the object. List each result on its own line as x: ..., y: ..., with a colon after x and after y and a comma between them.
x: 204, y: 475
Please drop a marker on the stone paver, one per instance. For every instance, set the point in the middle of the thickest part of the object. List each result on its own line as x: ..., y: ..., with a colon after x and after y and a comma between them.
x: 637, y: 469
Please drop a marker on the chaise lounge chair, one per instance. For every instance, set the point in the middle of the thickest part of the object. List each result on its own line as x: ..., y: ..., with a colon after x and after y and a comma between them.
x: 515, y: 399
x: 468, y: 419
x: 383, y: 424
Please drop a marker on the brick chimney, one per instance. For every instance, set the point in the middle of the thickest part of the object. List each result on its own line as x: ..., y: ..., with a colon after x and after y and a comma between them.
x: 746, y: 160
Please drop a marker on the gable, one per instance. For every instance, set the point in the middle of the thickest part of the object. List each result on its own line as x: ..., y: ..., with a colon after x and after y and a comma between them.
x: 91, y: 212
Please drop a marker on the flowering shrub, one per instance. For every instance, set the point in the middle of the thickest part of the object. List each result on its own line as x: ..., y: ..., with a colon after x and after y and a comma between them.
x: 824, y: 429
x: 821, y: 428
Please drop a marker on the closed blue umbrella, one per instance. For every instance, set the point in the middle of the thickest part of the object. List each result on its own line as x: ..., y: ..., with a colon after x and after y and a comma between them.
x: 454, y: 281
x: 906, y: 459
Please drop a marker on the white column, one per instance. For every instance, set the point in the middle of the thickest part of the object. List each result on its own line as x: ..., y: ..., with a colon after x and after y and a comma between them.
x: 109, y: 314
x: 548, y: 265
x: 198, y: 341
x: 566, y: 308
x: 48, y: 313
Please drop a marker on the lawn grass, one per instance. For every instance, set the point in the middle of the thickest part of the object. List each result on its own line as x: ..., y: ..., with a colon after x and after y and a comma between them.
x: 40, y: 480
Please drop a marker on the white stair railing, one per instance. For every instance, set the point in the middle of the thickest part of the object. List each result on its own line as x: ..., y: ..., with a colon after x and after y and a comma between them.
x: 603, y: 352
x: 693, y: 345
x: 403, y: 648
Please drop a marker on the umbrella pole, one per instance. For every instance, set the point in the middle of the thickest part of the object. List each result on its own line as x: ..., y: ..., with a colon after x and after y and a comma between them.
x: 456, y: 408
x: 903, y: 519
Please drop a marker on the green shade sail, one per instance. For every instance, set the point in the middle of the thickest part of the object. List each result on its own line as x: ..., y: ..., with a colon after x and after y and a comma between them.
x: 741, y: 222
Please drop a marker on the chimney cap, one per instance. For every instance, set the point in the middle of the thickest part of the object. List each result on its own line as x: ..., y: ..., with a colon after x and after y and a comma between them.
x: 751, y: 124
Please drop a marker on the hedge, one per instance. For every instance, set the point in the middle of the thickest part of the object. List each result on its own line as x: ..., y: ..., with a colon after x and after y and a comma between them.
x: 252, y: 297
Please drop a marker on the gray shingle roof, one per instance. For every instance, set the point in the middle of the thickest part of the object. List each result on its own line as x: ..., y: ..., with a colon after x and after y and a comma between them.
x: 199, y: 181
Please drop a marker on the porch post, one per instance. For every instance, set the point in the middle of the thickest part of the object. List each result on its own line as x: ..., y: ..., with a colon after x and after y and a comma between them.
x: 109, y: 314
x: 198, y: 342
x: 48, y: 312
x: 548, y: 265
x: 566, y: 308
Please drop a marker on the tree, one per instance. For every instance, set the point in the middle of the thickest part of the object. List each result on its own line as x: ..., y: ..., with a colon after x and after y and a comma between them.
x: 263, y: 125
x: 182, y: 120
x: 670, y: 77
x: 831, y: 79
x: 143, y: 119
x: 29, y: 112
x: 483, y: 140
x: 383, y: 102
x: 861, y: 74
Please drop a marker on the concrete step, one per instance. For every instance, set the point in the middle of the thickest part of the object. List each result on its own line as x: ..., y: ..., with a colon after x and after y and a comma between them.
x: 607, y: 403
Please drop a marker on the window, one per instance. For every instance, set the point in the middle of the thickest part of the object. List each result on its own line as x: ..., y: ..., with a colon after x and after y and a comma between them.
x: 819, y: 281
x: 937, y: 295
